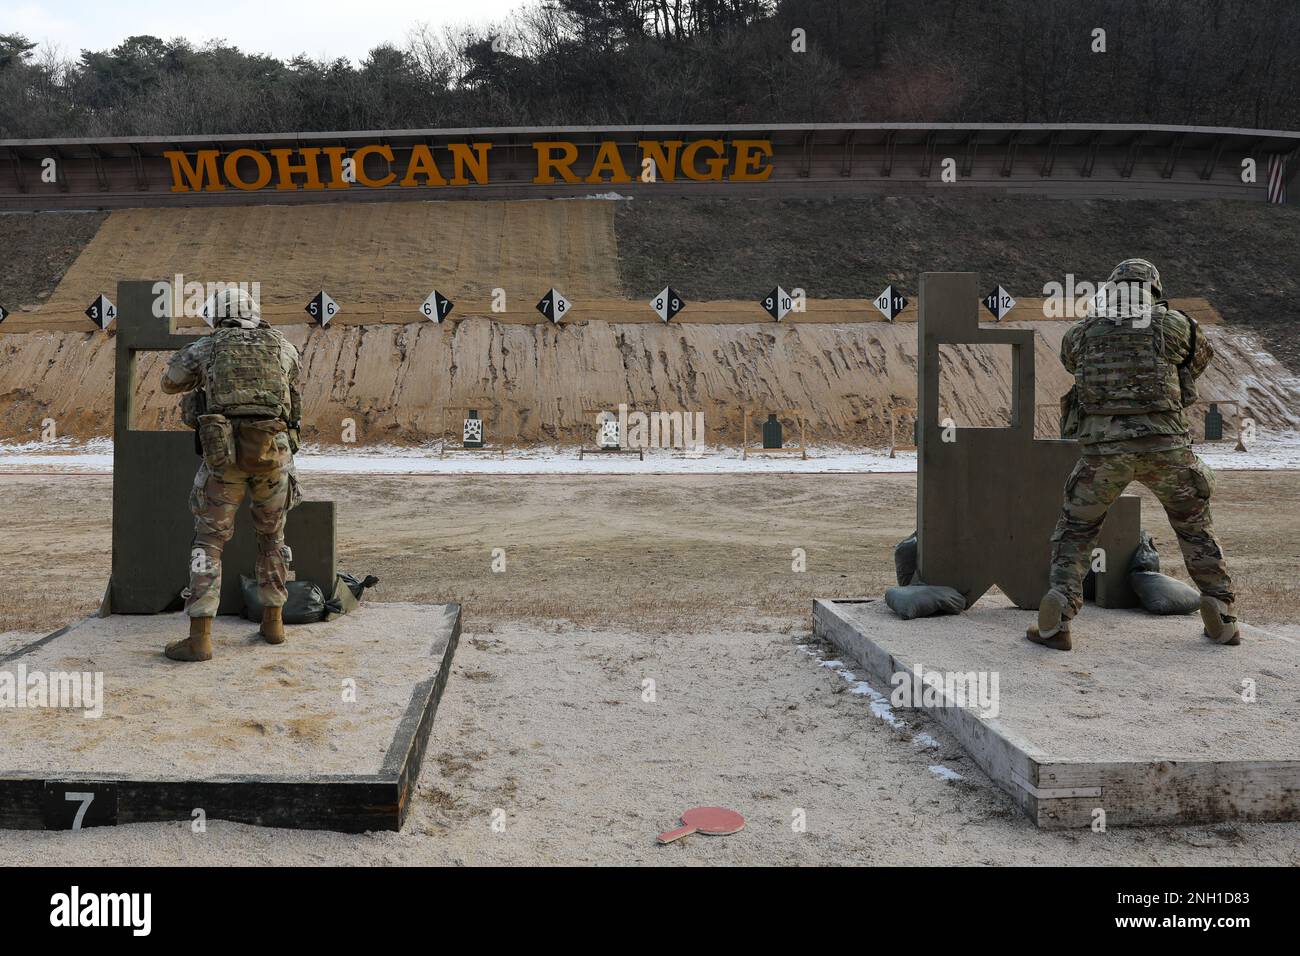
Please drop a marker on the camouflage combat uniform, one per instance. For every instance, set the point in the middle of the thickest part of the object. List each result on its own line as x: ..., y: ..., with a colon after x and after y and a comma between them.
x: 1133, y: 380
x: 219, y: 489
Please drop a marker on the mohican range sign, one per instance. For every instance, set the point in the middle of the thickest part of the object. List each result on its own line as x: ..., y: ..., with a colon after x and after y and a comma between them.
x: 376, y: 165
x: 1062, y: 160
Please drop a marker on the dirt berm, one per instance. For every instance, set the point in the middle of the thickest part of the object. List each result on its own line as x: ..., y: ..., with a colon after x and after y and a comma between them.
x: 533, y: 382
x: 537, y: 383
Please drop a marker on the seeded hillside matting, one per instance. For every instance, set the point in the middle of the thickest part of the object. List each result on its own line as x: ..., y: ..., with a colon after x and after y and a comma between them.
x: 260, y: 734
x: 1144, y: 719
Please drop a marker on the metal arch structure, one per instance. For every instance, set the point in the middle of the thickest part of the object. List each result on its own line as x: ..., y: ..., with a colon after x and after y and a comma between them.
x: 1064, y: 160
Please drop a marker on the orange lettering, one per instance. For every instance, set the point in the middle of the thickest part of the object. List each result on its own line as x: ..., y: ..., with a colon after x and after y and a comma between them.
x: 546, y: 162
x: 715, y: 166
x: 203, y: 170
x: 749, y: 157
x: 359, y: 158
x: 231, y: 167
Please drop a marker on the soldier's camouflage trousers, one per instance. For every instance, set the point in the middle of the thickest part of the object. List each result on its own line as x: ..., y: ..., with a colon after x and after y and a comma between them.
x: 1181, y: 481
x: 214, y: 500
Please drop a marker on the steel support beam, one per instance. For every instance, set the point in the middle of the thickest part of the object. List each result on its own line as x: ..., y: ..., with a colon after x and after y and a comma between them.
x: 1049, y: 160
x: 1009, y: 157
x: 887, y: 159
x: 846, y: 154
x: 970, y: 146
x: 1130, y: 158
x: 1212, y: 161
x: 1175, y: 147
x: 16, y: 164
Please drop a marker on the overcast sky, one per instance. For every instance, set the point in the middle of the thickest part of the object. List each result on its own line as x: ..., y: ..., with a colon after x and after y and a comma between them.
x: 282, y: 28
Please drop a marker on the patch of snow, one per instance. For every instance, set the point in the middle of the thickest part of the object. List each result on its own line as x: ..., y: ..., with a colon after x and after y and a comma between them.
x: 943, y: 773
x: 1281, y: 451
x: 878, y: 703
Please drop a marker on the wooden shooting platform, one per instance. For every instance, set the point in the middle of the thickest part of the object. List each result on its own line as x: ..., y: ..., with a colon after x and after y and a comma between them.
x: 324, y: 732
x: 1145, y: 719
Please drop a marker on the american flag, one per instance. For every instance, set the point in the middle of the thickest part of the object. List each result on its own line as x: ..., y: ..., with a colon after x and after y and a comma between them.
x: 1277, y: 178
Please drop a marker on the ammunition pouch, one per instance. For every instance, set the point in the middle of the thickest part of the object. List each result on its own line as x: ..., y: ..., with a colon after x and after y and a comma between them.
x: 217, y: 439
x: 256, y: 449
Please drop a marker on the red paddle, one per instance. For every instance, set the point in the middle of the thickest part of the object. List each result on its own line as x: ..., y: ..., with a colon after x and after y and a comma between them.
x: 718, y: 821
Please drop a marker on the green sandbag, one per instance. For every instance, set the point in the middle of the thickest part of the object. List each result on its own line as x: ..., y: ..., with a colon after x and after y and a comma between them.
x: 924, y: 600
x: 305, y: 604
x: 1161, y: 594
x: 1146, y: 557
x: 905, y: 560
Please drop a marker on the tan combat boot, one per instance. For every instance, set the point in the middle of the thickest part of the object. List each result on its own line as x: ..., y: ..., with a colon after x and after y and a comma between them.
x: 1220, y: 626
x: 273, y: 625
x: 196, y: 647
x: 1051, y: 631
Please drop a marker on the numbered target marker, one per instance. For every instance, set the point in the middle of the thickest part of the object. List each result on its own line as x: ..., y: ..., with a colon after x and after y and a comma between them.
x: 102, y: 312
x: 998, y: 302
x: 554, y: 306
x: 890, y: 303
x: 4, y: 314
x: 777, y: 303
x: 322, y: 308
x: 667, y: 304
x: 437, y: 307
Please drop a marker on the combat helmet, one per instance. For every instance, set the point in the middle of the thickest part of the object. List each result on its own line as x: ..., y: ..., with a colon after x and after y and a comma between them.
x: 1139, y: 270
x: 234, y: 305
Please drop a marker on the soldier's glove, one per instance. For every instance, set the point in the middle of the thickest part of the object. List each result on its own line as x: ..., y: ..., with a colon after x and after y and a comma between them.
x: 293, y: 441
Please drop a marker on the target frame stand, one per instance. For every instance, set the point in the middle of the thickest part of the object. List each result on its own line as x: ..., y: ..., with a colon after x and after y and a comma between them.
x: 584, y: 451
x: 623, y: 449
x: 799, y: 419
x: 444, y: 450
x: 1240, y: 412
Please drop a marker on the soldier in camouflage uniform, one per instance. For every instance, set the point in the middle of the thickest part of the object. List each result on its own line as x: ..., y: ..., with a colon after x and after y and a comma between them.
x: 1135, y: 363
x: 243, y: 399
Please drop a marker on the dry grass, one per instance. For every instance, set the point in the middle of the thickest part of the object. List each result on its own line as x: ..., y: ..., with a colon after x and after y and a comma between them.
x: 648, y: 554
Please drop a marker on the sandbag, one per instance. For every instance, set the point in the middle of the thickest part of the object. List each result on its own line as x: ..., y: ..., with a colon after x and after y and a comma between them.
x: 357, y: 587
x: 1161, y: 594
x: 905, y: 560
x: 924, y: 600
x: 1146, y: 557
x: 348, y: 591
x: 305, y: 604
